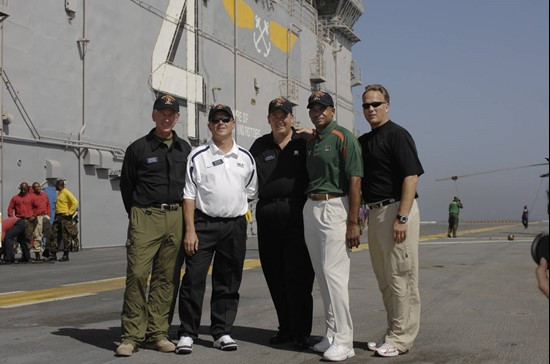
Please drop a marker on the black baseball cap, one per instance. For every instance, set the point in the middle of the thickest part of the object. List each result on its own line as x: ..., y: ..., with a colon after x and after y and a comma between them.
x: 280, y: 103
x: 166, y: 102
x: 320, y: 97
x: 220, y: 107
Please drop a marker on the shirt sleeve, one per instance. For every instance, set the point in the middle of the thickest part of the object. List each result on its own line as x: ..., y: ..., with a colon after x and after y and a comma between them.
x: 190, y: 189
x: 353, y: 158
x: 73, y: 202
x: 127, y: 179
x: 10, y: 208
x: 252, y: 187
x: 407, y: 156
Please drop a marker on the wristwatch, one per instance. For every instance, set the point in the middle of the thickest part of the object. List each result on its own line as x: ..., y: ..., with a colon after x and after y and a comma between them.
x: 402, y: 219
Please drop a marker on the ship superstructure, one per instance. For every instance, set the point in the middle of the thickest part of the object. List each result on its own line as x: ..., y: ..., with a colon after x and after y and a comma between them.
x: 80, y: 78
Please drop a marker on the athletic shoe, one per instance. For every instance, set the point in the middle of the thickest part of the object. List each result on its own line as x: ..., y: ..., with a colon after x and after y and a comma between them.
x: 338, y: 353
x: 373, y: 345
x: 185, y: 345
x: 322, y: 345
x: 225, y: 343
x: 388, y: 350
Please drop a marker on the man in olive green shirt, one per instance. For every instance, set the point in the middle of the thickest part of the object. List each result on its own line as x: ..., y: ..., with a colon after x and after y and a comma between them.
x: 335, y: 168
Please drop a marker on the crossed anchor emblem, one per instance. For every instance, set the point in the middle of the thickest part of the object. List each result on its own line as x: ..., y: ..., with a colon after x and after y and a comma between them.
x: 264, y: 32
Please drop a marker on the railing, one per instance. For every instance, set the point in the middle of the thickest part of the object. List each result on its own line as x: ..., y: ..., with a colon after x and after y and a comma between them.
x: 318, y: 72
x: 289, y: 89
x: 356, y: 74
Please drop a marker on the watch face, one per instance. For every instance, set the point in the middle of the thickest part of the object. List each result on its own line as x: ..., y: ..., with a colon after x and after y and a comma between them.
x: 402, y: 218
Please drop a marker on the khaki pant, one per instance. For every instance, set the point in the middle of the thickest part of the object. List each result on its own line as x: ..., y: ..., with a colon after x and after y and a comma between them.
x: 396, y: 270
x: 325, y: 233
x: 42, y: 221
x: 154, y: 246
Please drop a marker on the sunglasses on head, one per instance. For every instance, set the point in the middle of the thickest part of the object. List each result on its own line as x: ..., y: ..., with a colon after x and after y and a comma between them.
x: 225, y: 119
x: 375, y: 104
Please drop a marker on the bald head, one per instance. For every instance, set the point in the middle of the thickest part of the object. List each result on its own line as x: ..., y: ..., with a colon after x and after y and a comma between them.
x: 23, y: 188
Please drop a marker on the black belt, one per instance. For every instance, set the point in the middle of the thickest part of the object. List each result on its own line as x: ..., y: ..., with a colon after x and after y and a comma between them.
x: 322, y: 196
x: 167, y: 206
x: 376, y: 205
x: 283, y: 199
x: 214, y: 218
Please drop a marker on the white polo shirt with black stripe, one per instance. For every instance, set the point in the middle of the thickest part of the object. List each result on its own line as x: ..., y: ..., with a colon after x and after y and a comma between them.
x: 221, y: 184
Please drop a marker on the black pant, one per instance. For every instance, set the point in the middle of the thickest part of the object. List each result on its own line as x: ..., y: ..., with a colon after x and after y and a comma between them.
x: 286, y: 264
x: 224, y: 239
x: 16, y: 231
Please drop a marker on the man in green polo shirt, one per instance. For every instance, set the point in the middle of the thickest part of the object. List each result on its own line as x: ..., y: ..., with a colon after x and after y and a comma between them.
x: 335, y: 168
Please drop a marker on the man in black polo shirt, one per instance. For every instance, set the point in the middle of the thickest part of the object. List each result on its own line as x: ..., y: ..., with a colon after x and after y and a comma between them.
x: 392, y: 169
x: 152, y: 182
x: 282, y: 180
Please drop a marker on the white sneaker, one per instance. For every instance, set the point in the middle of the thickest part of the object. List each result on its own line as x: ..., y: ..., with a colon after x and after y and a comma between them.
x: 373, y: 345
x: 185, y: 345
x: 322, y: 345
x: 338, y: 353
x: 388, y: 350
x: 225, y: 343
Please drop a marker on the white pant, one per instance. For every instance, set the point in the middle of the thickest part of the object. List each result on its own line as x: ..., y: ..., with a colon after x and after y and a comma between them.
x: 325, y: 233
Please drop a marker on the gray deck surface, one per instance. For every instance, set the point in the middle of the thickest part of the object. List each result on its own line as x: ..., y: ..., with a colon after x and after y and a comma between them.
x: 480, y: 304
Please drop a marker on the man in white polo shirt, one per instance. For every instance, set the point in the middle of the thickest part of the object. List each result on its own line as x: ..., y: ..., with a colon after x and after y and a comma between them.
x: 220, y: 179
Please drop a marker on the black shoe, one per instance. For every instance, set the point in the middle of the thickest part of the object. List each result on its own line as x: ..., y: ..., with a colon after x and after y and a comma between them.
x: 52, y: 258
x: 301, y: 343
x: 6, y: 262
x: 280, y: 338
x: 46, y: 253
x: 23, y: 260
x: 64, y: 258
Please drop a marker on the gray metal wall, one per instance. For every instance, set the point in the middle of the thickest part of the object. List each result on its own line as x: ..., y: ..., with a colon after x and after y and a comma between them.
x: 42, y: 58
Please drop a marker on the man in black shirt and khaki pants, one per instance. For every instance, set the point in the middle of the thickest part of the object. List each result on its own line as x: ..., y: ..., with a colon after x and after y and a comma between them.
x: 392, y: 169
x: 152, y: 182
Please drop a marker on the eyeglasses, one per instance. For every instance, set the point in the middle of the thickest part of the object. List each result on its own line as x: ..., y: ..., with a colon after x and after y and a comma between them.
x: 225, y: 119
x: 375, y: 104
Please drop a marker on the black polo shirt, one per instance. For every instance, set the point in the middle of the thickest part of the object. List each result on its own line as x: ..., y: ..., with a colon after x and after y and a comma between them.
x: 389, y: 155
x: 153, y: 172
x: 281, y: 173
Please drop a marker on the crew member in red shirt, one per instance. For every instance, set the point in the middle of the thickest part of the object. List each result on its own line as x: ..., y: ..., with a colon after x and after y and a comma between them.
x: 14, y: 227
x: 21, y: 206
x: 41, y: 209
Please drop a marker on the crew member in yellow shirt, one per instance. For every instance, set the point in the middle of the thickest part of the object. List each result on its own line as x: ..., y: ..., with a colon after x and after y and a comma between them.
x: 62, y: 227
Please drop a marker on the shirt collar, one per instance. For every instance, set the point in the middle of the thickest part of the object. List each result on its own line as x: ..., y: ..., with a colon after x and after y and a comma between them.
x: 326, y: 131
x: 156, y: 141
x: 234, y: 152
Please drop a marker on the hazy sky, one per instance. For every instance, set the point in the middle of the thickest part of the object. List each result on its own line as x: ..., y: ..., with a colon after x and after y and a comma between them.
x: 469, y: 80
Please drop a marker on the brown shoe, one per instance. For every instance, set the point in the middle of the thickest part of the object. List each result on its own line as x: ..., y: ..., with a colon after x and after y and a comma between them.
x: 125, y: 349
x: 164, y: 346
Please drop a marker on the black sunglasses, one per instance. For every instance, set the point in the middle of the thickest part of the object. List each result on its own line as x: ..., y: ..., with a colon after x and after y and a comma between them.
x: 225, y: 119
x: 375, y: 104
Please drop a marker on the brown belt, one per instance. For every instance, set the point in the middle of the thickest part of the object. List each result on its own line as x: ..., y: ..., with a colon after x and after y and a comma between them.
x: 322, y: 196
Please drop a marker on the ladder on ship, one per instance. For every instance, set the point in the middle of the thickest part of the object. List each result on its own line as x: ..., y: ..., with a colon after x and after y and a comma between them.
x: 15, y: 97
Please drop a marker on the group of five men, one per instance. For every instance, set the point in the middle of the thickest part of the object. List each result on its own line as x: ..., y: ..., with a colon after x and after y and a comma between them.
x: 28, y: 222
x: 309, y: 188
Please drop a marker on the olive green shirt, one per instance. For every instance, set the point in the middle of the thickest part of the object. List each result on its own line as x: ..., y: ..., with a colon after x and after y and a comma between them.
x: 333, y: 155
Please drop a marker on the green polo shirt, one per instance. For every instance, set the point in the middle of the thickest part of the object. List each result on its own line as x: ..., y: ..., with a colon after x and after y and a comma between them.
x: 333, y: 155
